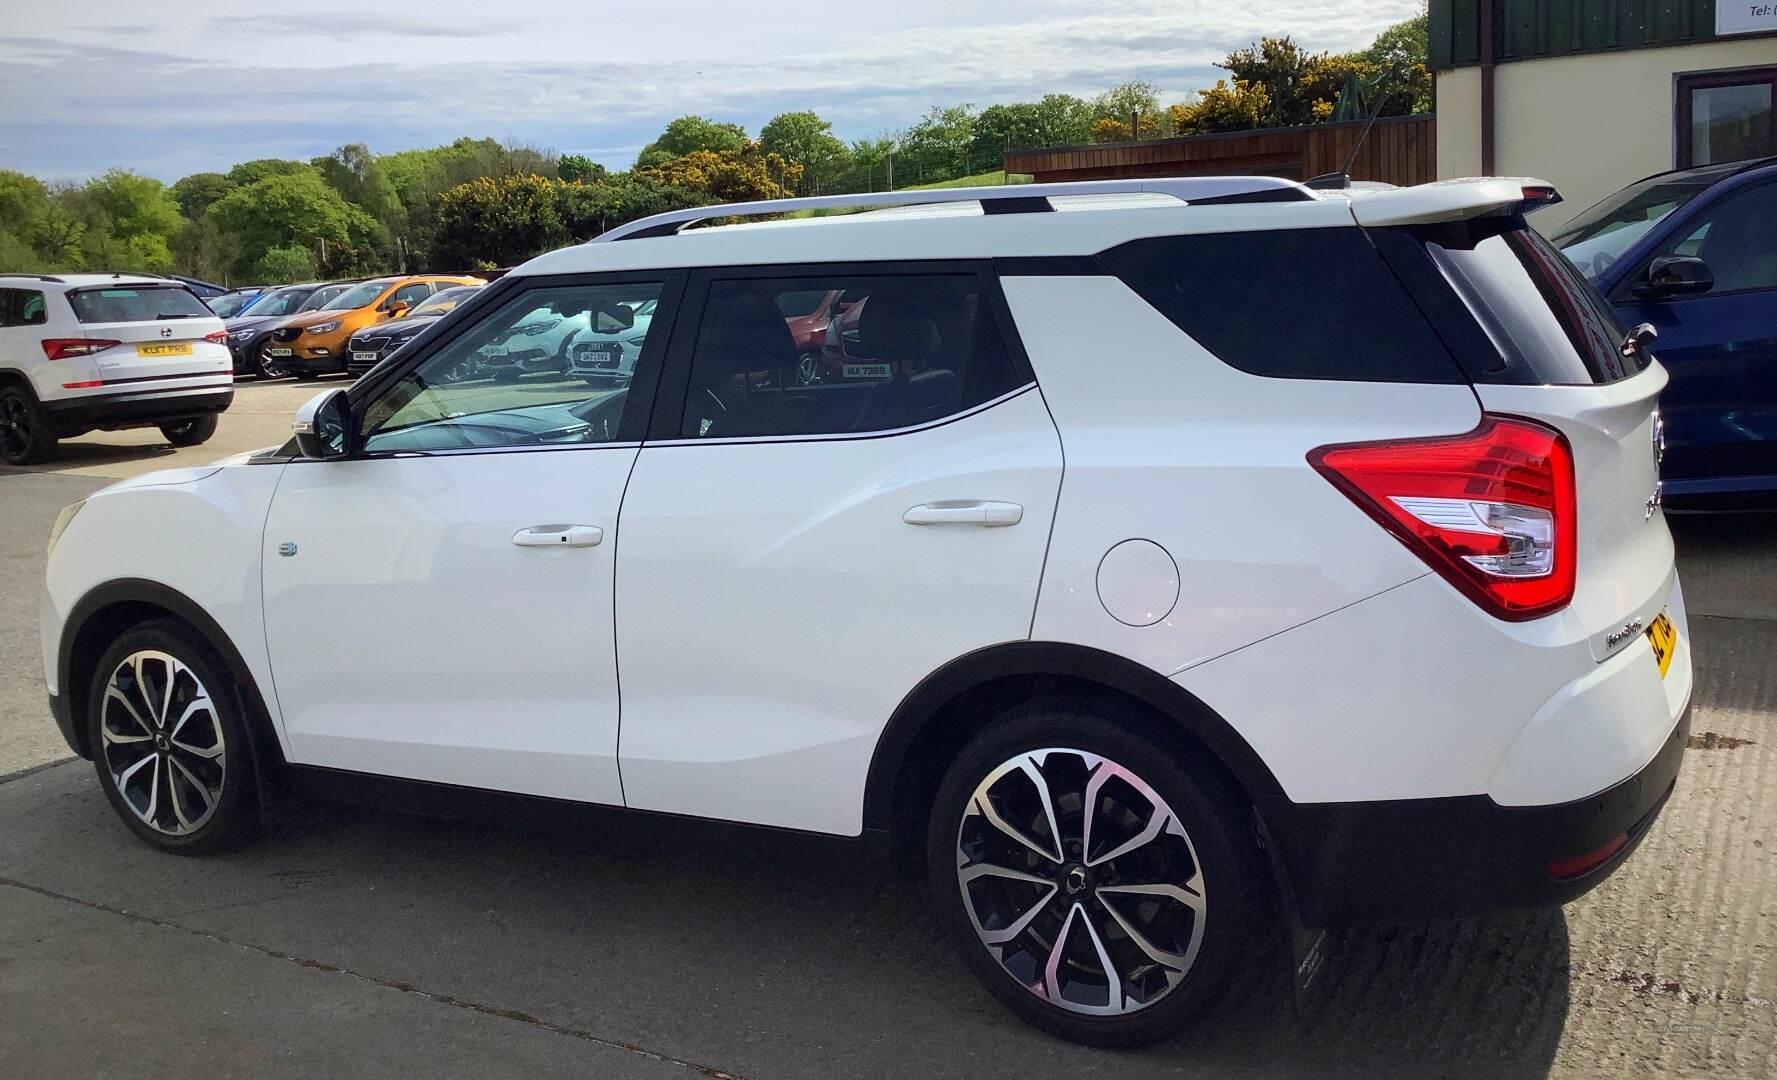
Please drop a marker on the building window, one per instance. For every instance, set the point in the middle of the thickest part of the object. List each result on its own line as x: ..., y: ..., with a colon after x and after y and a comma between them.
x: 1726, y: 116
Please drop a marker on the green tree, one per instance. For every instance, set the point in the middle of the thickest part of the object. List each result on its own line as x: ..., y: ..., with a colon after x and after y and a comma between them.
x: 1056, y: 120
x: 690, y: 133
x: 488, y: 223
x: 1397, y: 59
x: 936, y: 148
x: 296, y: 209
x: 25, y: 214
x: 251, y: 172
x: 202, y: 250
x: 1300, y: 87
x: 1221, y: 108
x: 284, y: 265
x: 579, y: 168
x: 723, y: 176
x: 196, y: 192
x: 589, y: 209
x: 804, y: 139
x: 1135, y: 106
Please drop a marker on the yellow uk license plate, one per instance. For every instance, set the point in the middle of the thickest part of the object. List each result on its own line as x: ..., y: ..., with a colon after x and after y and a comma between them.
x: 1663, y: 636
x: 177, y: 348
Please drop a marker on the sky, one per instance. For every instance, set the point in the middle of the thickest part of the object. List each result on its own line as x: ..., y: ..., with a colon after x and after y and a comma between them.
x: 168, y: 89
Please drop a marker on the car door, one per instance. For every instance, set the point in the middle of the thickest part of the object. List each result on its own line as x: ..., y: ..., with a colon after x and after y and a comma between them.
x: 798, y: 557
x: 440, y: 606
x: 1720, y: 346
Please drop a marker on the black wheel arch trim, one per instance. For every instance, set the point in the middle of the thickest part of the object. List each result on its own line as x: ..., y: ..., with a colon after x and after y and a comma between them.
x: 267, y: 750
x: 1051, y: 659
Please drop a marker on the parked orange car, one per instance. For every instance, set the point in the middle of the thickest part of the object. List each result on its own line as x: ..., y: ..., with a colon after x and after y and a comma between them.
x: 315, y: 343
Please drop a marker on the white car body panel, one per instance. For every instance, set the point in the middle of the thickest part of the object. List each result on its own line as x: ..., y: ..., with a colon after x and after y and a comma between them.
x: 1163, y: 445
x: 411, y: 636
x: 811, y: 608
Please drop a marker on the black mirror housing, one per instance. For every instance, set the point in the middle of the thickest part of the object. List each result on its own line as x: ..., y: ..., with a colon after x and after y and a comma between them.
x: 1675, y: 275
x: 323, y: 426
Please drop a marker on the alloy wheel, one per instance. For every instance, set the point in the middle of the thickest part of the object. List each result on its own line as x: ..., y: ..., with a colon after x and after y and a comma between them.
x: 1081, y: 882
x: 808, y: 369
x: 163, y: 742
x: 15, y: 424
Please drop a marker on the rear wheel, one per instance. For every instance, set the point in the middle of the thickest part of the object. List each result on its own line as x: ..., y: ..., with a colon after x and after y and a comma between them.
x: 808, y: 369
x: 269, y: 367
x: 169, y: 741
x: 25, y: 435
x: 1099, y: 883
x: 192, y: 432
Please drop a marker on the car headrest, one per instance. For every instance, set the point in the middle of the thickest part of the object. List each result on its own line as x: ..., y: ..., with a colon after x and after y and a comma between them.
x: 744, y: 332
x: 898, y: 325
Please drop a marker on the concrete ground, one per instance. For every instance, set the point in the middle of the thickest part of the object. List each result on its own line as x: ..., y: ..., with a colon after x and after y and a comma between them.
x: 365, y: 943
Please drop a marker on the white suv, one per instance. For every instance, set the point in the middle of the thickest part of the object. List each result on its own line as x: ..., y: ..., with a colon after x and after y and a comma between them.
x: 1212, y: 557
x: 80, y: 352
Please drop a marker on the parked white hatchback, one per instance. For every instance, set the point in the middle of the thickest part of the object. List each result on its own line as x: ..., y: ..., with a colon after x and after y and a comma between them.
x: 80, y: 352
x: 1195, y: 559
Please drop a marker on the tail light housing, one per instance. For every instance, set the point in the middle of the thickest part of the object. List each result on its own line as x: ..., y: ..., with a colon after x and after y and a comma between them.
x: 60, y: 348
x: 1492, y: 510
x: 217, y: 337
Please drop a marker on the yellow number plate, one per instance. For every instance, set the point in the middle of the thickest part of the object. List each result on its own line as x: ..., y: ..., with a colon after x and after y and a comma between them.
x: 182, y: 348
x: 1663, y: 636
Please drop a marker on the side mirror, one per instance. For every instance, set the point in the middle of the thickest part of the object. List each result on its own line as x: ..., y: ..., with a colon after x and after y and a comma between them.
x: 1675, y: 275
x: 612, y: 318
x: 323, y: 426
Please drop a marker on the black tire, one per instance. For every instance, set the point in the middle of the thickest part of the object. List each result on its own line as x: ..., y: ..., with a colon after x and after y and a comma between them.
x: 230, y: 814
x: 808, y: 369
x: 1227, y: 931
x: 25, y: 434
x: 193, y: 432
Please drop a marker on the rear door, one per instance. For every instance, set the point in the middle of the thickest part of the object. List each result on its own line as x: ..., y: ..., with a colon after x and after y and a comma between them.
x: 797, y: 557
x: 1720, y: 347
x: 158, y: 333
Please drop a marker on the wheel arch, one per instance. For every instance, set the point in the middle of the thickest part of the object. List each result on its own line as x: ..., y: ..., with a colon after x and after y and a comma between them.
x: 951, y: 704
x: 113, y: 607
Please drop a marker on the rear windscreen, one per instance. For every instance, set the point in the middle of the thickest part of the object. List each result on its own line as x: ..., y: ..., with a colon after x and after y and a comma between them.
x: 1538, y: 309
x: 137, y: 303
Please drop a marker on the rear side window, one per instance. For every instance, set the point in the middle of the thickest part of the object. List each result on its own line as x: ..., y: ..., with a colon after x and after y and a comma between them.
x: 137, y: 303
x: 1290, y: 304
x: 1535, y: 306
x: 21, y: 307
x: 894, y: 351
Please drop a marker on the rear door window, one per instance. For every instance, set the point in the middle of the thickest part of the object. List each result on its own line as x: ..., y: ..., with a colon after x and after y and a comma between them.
x: 137, y: 303
x: 1289, y: 304
x: 901, y: 350
x: 1536, y: 306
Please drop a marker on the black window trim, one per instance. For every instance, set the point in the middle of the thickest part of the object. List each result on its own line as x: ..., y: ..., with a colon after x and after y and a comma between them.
x: 1688, y: 82
x: 666, y: 427
x: 453, y: 324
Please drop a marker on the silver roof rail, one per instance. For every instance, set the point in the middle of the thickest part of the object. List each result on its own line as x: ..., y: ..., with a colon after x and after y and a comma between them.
x: 1004, y: 199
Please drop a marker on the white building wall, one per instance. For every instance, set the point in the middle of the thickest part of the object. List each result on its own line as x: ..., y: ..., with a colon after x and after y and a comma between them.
x: 1588, y: 124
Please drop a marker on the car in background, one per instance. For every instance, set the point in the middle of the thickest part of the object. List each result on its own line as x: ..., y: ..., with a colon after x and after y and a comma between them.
x: 809, y: 313
x: 234, y: 301
x: 252, y: 326
x: 313, y: 344
x: 602, y: 352
x: 84, y: 352
x: 1693, y: 254
x: 204, y: 290
x: 369, y: 345
x: 537, y: 342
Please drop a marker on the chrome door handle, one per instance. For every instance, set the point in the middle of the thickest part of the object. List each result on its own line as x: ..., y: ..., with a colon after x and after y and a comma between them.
x: 559, y: 536
x: 991, y: 515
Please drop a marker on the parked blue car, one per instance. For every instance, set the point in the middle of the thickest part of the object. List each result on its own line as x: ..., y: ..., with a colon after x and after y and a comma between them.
x: 1694, y: 253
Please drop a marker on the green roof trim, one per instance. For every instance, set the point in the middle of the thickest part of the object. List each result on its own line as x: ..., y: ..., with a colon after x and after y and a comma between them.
x: 1528, y: 29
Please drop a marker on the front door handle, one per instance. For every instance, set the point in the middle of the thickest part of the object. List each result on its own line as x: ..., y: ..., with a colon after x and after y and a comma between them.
x: 559, y: 536
x: 991, y: 515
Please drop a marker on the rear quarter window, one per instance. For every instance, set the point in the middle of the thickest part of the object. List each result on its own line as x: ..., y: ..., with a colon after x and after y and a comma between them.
x: 137, y: 303
x: 1289, y: 304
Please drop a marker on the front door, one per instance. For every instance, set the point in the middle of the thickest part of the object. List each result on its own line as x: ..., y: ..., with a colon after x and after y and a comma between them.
x: 1720, y: 347
x: 800, y: 552
x: 440, y: 607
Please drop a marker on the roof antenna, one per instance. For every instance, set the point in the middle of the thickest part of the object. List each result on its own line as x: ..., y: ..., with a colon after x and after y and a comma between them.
x: 1339, y: 181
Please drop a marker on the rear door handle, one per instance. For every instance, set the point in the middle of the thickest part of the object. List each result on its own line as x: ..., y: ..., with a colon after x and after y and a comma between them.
x: 559, y: 536
x: 991, y: 515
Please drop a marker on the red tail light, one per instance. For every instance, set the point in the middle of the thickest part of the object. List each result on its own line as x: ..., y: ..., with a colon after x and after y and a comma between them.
x: 60, y: 348
x: 217, y: 337
x: 1492, y: 511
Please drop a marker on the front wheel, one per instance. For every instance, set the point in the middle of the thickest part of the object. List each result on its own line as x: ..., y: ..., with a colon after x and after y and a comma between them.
x: 1100, y: 884
x: 808, y: 369
x: 169, y: 741
x: 192, y: 432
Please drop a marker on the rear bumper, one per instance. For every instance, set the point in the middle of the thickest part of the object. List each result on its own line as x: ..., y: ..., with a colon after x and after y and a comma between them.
x: 1367, y: 862
x: 111, y: 412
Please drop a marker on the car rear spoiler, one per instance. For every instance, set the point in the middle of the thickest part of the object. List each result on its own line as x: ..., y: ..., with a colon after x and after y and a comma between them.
x: 1452, y: 200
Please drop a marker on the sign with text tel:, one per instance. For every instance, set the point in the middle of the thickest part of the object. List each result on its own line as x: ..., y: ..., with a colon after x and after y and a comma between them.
x: 1740, y: 17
